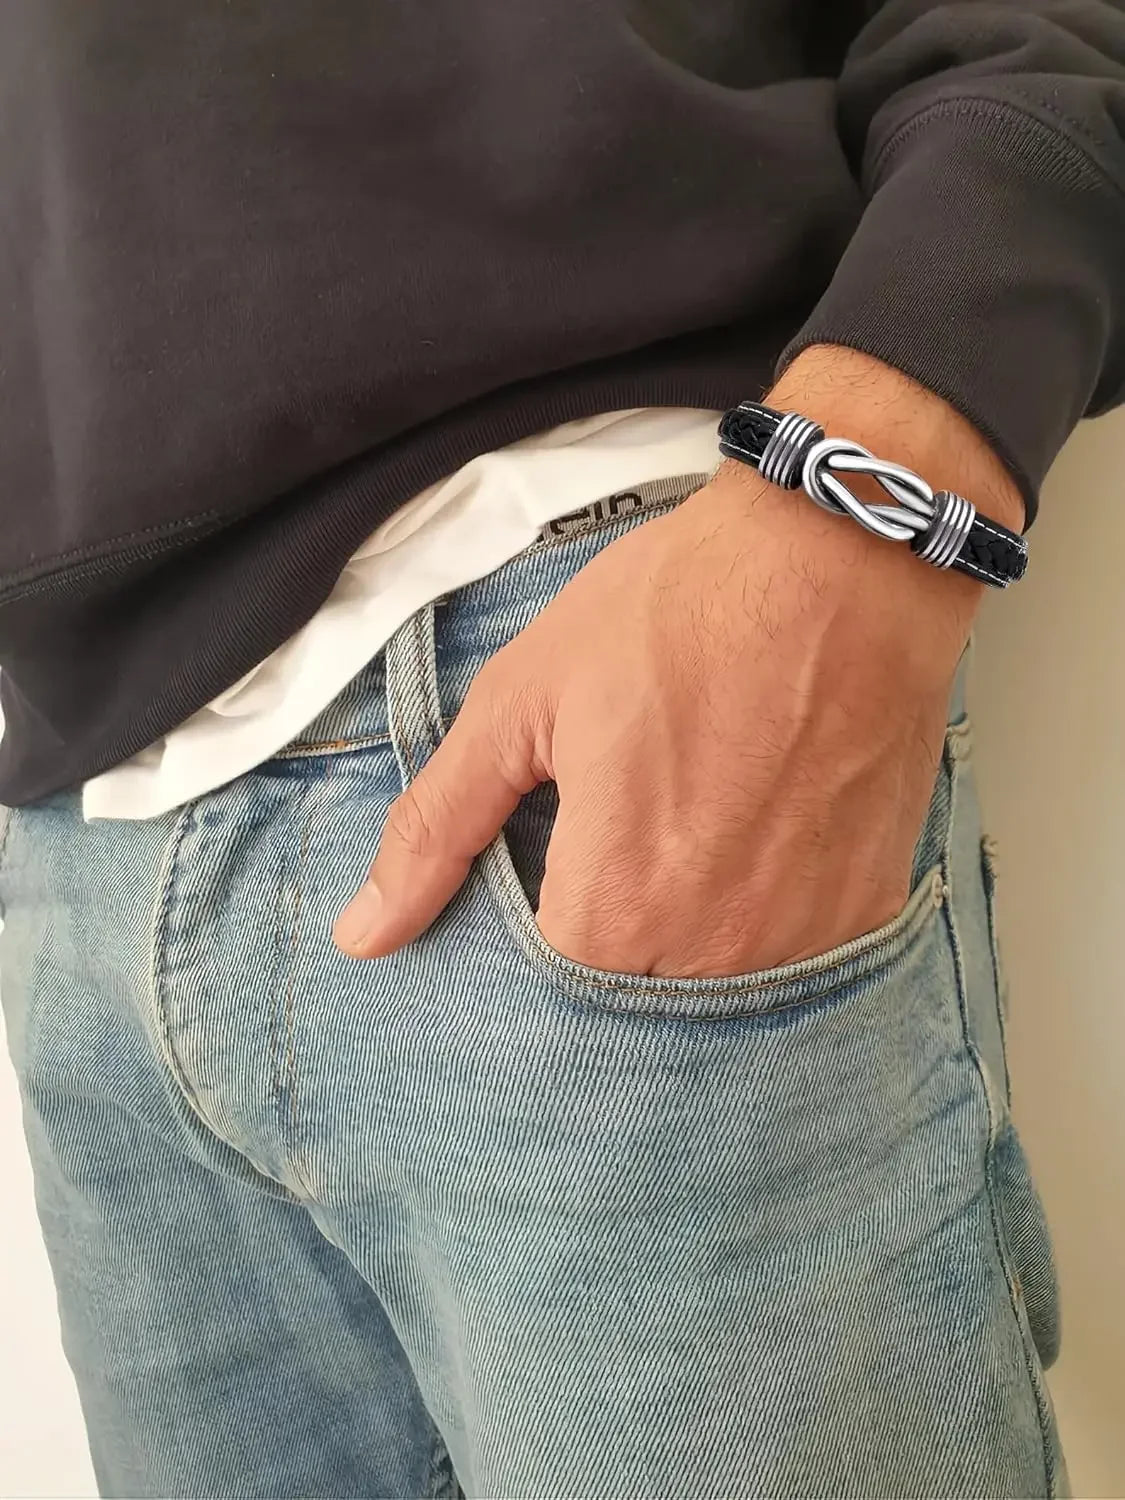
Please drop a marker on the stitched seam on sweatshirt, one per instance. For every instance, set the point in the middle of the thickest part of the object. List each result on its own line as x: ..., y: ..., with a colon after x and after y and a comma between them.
x: 1067, y: 147
x: 101, y: 556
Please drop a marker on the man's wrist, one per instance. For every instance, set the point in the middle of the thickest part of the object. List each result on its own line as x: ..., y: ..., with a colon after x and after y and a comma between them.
x: 854, y: 395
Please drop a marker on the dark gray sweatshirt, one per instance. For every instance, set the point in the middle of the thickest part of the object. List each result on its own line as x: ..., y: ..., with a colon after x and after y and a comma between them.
x: 268, y: 269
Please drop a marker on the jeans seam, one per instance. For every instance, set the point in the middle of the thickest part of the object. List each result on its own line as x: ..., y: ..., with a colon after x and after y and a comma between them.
x: 306, y: 749
x: 405, y: 745
x: 7, y: 818
x: 425, y: 674
x: 158, y: 978
x: 273, y: 1031
x: 405, y: 723
x: 994, y: 1211
x: 402, y: 729
x: 290, y: 1116
x: 159, y: 961
x: 288, y: 1095
x: 988, y: 870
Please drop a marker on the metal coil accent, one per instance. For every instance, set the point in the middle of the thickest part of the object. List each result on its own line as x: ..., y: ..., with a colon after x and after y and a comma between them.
x: 782, y: 456
x: 953, y: 520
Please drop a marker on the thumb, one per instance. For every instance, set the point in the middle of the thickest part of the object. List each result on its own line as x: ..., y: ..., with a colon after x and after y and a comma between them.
x: 452, y: 810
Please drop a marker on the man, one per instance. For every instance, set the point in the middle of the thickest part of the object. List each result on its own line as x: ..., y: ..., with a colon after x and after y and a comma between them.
x: 362, y: 368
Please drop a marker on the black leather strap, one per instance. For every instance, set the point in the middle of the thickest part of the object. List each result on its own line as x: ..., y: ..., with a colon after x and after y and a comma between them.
x: 745, y: 430
x: 990, y: 553
x: 987, y: 551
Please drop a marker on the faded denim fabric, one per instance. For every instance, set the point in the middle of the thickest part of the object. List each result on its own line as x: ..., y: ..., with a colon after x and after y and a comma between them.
x: 476, y: 1218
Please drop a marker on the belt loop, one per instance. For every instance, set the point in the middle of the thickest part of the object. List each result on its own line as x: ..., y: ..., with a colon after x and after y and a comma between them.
x: 413, y: 704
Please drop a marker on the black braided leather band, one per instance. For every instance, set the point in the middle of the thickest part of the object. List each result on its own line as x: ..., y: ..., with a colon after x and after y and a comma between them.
x: 941, y: 527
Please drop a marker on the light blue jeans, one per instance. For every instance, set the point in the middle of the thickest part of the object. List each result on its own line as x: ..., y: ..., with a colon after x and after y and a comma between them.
x: 476, y: 1218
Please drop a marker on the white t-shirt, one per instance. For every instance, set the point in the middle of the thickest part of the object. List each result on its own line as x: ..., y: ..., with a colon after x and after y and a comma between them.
x: 456, y: 531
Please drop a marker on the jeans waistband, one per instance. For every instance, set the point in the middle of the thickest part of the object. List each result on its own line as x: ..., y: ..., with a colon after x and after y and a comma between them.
x: 482, y: 609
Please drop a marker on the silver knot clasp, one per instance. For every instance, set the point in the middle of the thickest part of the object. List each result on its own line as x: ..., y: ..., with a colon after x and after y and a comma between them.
x: 935, y: 523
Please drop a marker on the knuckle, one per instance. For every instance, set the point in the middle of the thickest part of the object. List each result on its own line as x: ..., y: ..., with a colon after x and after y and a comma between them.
x: 413, y: 819
x: 506, y: 711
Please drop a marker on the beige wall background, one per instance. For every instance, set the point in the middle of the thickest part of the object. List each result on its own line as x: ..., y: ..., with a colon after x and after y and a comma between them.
x: 1049, y: 706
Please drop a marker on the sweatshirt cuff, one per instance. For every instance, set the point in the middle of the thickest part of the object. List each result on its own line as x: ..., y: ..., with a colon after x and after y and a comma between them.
x: 987, y: 265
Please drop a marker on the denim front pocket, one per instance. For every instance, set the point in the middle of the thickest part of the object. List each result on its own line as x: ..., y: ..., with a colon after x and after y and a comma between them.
x: 513, y: 868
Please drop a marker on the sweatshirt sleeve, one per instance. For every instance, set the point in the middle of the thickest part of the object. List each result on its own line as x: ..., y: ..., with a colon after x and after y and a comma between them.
x: 989, y: 262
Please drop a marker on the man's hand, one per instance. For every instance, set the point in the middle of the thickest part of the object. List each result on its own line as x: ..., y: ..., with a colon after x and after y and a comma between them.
x: 742, y: 704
